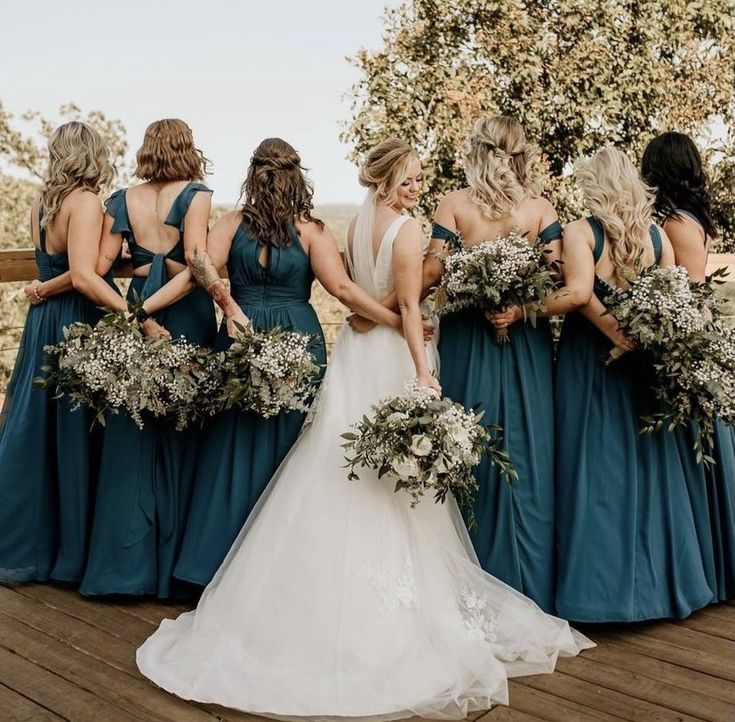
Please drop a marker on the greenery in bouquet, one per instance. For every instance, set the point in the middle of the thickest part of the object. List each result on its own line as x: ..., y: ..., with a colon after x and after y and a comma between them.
x: 425, y: 443
x: 677, y: 323
x: 268, y: 372
x: 113, y: 366
x: 494, y: 275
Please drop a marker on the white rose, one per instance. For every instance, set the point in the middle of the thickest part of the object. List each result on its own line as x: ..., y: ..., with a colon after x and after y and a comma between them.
x: 421, y: 445
x: 406, y: 468
x: 459, y: 435
x: 396, y: 417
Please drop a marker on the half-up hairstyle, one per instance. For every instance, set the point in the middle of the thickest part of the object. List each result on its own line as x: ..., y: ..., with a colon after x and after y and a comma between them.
x: 276, y: 192
x: 78, y: 158
x: 499, y: 166
x: 385, y: 167
x: 168, y: 153
x: 615, y: 194
x: 673, y: 166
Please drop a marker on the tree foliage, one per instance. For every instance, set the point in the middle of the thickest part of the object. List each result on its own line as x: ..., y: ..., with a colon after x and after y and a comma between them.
x: 578, y: 74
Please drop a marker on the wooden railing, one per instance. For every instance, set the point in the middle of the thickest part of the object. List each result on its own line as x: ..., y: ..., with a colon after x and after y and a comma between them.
x: 20, y: 265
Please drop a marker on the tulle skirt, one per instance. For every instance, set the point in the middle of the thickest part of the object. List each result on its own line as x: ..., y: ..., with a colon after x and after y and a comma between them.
x: 339, y: 600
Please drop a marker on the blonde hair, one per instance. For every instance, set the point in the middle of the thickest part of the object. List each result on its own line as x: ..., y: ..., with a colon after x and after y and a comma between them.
x: 78, y: 158
x: 385, y: 167
x: 623, y: 204
x: 498, y: 165
x: 168, y: 153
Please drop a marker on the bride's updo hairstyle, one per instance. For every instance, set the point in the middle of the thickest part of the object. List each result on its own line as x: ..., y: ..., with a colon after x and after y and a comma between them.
x: 168, y: 153
x: 615, y: 194
x: 385, y: 167
x: 77, y: 158
x: 498, y: 165
x: 276, y: 192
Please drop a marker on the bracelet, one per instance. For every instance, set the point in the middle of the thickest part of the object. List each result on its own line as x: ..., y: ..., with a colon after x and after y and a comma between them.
x: 141, y: 315
x: 37, y: 295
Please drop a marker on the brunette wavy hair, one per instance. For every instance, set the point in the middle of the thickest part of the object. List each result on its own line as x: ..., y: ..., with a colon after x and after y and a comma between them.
x: 168, y: 153
x: 672, y: 165
x: 78, y: 158
x: 276, y: 192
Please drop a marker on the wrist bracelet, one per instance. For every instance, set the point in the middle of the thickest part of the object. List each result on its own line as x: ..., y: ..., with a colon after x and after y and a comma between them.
x: 141, y: 315
x: 37, y: 295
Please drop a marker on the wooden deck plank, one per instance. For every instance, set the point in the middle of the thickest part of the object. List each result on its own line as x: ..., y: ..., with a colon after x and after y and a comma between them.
x: 718, y: 622
x: 615, y: 654
x: 707, y: 662
x: 57, y: 694
x: 601, y: 698
x: 507, y: 714
x: 102, y: 680
x: 664, y: 694
x: 552, y: 708
x: 16, y: 708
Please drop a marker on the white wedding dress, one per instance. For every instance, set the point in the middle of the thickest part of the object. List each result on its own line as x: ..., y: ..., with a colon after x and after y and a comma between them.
x: 339, y: 600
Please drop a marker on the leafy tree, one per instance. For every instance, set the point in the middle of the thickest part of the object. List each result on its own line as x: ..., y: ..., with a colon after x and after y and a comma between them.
x: 578, y: 74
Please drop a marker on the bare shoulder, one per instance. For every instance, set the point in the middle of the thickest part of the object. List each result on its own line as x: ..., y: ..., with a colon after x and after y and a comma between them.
x: 579, y: 231
x: 410, y: 231
x: 82, y: 199
x: 543, y: 206
x: 682, y: 228
x: 456, y: 199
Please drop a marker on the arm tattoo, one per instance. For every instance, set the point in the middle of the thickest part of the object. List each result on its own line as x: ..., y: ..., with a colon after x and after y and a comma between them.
x: 206, y: 276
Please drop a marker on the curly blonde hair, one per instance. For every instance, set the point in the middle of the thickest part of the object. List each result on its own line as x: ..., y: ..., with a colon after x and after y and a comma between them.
x: 615, y: 194
x: 168, y: 153
x: 276, y: 192
x: 385, y: 167
x: 499, y: 166
x: 78, y: 158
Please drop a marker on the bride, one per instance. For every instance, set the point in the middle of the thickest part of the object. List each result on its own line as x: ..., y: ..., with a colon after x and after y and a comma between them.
x: 337, y: 599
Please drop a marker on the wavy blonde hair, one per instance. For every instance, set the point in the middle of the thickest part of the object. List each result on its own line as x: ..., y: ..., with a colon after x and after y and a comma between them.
x: 385, y: 167
x: 616, y: 195
x: 78, y: 158
x: 168, y: 153
x: 499, y: 166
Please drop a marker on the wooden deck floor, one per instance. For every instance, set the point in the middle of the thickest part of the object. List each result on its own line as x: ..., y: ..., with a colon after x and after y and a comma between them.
x: 66, y: 658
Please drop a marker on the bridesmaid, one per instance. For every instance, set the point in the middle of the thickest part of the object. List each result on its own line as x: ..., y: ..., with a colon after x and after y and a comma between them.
x: 273, y: 248
x: 47, y: 460
x: 146, y: 475
x: 626, y: 539
x: 672, y: 164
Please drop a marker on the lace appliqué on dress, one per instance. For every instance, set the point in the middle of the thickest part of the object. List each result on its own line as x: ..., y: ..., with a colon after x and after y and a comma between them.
x: 478, y: 620
x: 394, y: 588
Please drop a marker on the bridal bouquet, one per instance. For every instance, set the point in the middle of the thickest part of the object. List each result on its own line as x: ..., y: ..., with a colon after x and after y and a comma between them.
x: 494, y: 275
x: 113, y: 366
x: 677, y: 323
x: 426, y: 444
x: 268, y: 372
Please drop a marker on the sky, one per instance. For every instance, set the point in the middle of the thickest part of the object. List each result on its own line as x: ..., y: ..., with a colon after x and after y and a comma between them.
x: 235, y: 71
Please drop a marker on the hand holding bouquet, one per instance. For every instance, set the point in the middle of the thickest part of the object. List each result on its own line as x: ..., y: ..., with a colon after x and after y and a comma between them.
x: 494, y: 275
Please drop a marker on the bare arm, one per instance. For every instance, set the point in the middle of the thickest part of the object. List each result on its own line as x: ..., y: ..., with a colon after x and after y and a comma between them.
x: 85, y: 227
x: 407, y: 274
x: 206, y: 260
x: 330, y: 271
x: 689, y: 245
x: 578, y: 272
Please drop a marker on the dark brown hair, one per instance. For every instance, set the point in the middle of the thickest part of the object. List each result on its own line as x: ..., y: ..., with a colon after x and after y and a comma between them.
x: 276, y: 192
x: 168, y: 153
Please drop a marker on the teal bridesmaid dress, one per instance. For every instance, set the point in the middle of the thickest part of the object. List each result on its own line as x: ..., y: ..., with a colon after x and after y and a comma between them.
x: 514, y: 523
x: 626, y: 539
x: 241, y: 451
x: 712, y: 494
x: 48, y: 464
x: 146, y: 475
